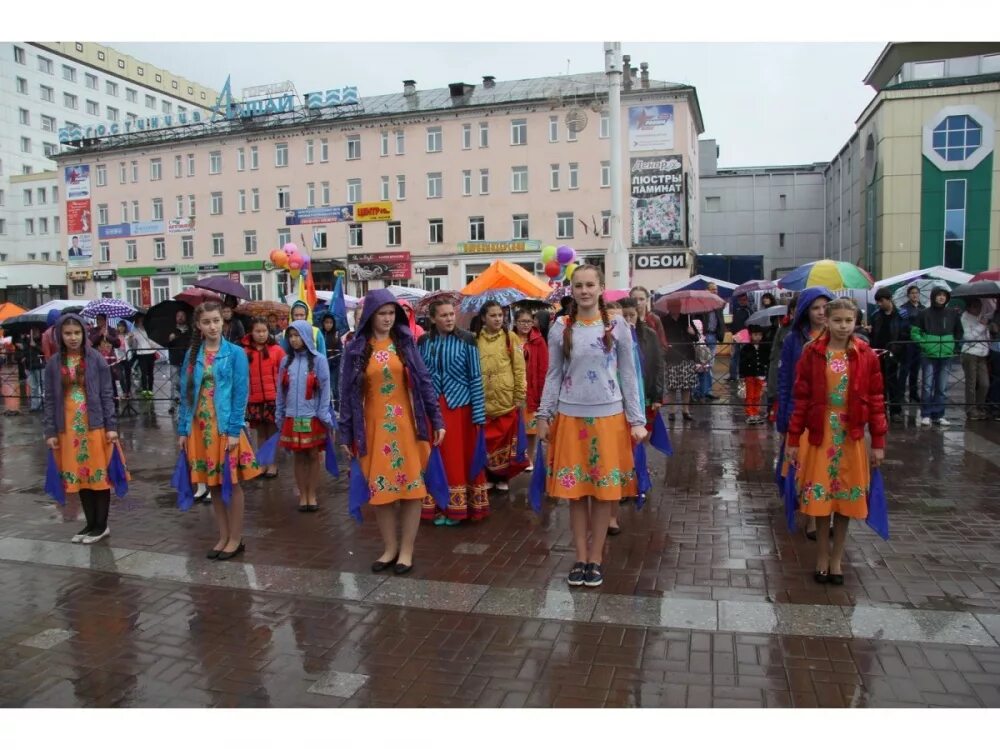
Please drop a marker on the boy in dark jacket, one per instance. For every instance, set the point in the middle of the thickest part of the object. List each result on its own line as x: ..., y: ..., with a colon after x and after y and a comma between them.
x: 889, y: 332
x: 754, y: 361
x: 331, y: 337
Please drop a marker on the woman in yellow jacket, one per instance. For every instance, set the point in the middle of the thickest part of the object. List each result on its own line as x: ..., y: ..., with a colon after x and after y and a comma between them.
x: 505, y: 387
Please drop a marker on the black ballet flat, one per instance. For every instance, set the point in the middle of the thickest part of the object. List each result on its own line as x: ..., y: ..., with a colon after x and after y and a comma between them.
x: 378, y: 566
x: 614, y: 530
x: 837, y: 579
x: 402, y: 570
x: 230, y: 555
x: 821, y: 576
x: 213, y: 553
x: 811, y: 536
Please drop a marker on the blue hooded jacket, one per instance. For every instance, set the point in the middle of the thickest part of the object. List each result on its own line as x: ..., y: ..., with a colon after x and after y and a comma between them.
x: 318, y: 338
x: 231, y: 372
x: 791, y: 351
x: 293, y: 402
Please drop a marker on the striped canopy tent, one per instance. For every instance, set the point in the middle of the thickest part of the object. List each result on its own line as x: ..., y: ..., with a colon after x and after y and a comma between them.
x: 697, y: 282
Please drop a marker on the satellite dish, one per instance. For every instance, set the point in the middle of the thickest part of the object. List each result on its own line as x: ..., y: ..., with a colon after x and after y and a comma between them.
x: 576, y: 120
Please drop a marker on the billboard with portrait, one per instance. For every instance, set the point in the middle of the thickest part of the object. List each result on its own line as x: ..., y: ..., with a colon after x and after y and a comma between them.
x: 79, y: 221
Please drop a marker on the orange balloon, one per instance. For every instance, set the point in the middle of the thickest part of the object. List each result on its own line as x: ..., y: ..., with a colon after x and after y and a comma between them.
x: 280, y: 258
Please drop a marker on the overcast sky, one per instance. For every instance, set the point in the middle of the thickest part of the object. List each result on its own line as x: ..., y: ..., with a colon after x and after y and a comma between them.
x: 765, y: 103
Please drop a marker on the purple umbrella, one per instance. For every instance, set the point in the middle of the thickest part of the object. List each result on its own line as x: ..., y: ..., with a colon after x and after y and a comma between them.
x: 757, y: 285
x: 224, y: 286
x: 109, y: 308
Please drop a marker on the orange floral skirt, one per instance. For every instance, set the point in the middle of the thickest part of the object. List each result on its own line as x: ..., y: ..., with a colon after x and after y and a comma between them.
x: 206, y: 450
x: 591, y: 457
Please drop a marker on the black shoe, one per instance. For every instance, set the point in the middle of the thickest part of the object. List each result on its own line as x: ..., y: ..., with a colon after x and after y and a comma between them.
x: 837, y: 579
x: 577, y: 573
x: 213, y: 553
x: 593, y: 576
x: 230, y: 555
x: 614, y: 530
x: 821, y: 576
x: 205, y: 498
x: 312, y: 508
x: 378, y: 566
x: 671, y: 416
x: 303, y: 509
x: 811, y: 536
x: 402, y: 570
x: 687, y: 417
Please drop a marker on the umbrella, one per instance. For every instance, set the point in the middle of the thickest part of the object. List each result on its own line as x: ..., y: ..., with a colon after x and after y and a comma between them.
x: 757, y: 285
x: 991, y: 275
x: 502, y: 274
x: 223, y: 285
x: 763, y: 317
x: 924, y: 285
x: 161, y: 319
x: 109, y: 308
x: 691, y: 301
x: 615, y: 295
x: 195, y: 297
x: 533, y: 304
x: 977, y: 289
x: 9, y: 310
x: 422, y: 307
x: 407, y: 293
x: 39, y: 316
x: 700, y: 281
x: 505, y: 297
x: 262, y: 308
x: 555, y: 296
x: 833, y: 274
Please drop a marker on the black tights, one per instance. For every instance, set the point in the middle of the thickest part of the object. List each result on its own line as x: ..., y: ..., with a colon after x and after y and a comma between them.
x: 96, y: 504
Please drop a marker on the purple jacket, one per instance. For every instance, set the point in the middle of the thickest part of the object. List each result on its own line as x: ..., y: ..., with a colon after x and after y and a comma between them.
x: 97, y: 384
x: 425, y: 403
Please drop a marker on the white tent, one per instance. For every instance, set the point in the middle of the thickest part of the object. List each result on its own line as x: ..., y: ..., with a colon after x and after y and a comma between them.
x: 951, y: 275
x: 696, y: 282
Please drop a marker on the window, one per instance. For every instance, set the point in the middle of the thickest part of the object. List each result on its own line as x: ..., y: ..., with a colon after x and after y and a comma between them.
x: 433, y: 184
x: 324, y: 151
x: 102, y: 214
x: 433, y: 140
x: 79, y: 287
x: 957, y: 137
x: 218, y: 245
x: 574, y: 175
x: 135, y: 171
x: 215, y: 162
x: 155, y: 169
x: 605, y: 223
x: 241, y: 201
x: 355, y: 236
x: 105, y: 252
x: 477, y: 228
x: 45, y: 65
x: 133, y: 292
x: 187, y: 247
x: 253, y: 158
x: 281, y: 154
x: 191, y: 207
x: 132, y: 95
x: 157, y: 209
x: 41, y: 196
x: 25, y: 145
x: 401, y: 187
x: 605, y: 125
x: 394, y: 234
x: 284, y: 197
x: 216, y: 209
x: 466, y: 182
x: 131, y: 252
x: 933, y: 69
x: 70, y: 100
x: 241, y: 159
x: 436, y: 231
x: 28, y: 197
x: 112, y: 114
x: 22, y: 85
x: 111, y: 88
x: 564, y: 226
x: 43, y: 225
x: 400, y: 143
x: 159, y: 249
x: 354, y: 191
x: 124, y: 212
x: 166, y: 106
x: 255, y: 199
x: 519, y: 179
x: 553, y: 177
x: 91, y: 81
x: 954, y: 223
x: 713, y: 204
x: 520, y: 231
x: 383, y: 139
x: 466, y: 136
x: 69, y: 74
x: 190, y: 160
x: 24, y: 116
x: 29, y: 226
x: 284, y: 236
x: 310, y: 194
x: 19, y: 56
x: 161, y: 288
x: 484, y: 135
x: 150, y: 101
x: 782, y: 201
x: 383, y: 189
x: 49, y: 94
x: 518, y: 132
x: 135, y: 210
x: 178, y: 165
x: 605, y: 174
x: 553, y: 128
x: 180, y: 207
x: 325, y: 194
x: 310, y: 151
x: 435, y: 279
x: 249, y: 242
x: 484, y: 182
x: 3, y: 230
x: 254, y: 282
x: 781, y: 239
x: 319, y: 238
x: 353, y: 147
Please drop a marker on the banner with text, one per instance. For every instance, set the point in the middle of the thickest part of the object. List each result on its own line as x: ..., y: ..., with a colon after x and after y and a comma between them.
x: 377, y: 211
x: 78, y: 217
x: 319, y: 215
x: 651, y: 128
x: 657, y: 201
x: 385, y: 266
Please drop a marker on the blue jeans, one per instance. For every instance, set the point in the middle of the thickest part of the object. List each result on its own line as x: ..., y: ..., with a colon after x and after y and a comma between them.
x: 935, y: 386
x: 35, y: 389
x: 704, y: 386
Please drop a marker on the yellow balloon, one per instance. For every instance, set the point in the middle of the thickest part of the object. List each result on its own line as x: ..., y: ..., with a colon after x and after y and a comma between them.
x: 295, y: 272
x: 570, y: 269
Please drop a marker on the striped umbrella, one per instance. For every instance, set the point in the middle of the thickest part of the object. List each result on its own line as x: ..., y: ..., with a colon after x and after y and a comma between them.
x: 833, y: 274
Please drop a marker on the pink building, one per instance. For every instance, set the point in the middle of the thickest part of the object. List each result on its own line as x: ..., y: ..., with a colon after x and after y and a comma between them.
x: 422, y: 187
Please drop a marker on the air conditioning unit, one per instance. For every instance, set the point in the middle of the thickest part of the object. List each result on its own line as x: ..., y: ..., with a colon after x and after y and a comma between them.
x: 539, y: 267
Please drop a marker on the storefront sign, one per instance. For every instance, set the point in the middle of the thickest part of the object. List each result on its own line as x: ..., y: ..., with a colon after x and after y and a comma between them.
x: 380, y: 211
x: 505, y: 246
x: 319, y: 215
x: 385, y: 266
x: 653, y: 261
x: 135, y: 229
x: 657, y: 202
x: 76, y: 181
x: 651, y: 128
x: 179, y: 226
x: 109, y: 275
x: 138, y: 125
x: 78, y: 275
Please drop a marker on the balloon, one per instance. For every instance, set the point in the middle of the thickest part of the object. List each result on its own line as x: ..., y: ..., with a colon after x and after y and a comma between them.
x: 279, y: 258
x: 548, y: 253
x: 552, y: 269
x: 290, y: 247
x: 295, y: 273
x: 295, y: 263
x: 306, y: 262
x: 570, y: 269
x: 565, y: 254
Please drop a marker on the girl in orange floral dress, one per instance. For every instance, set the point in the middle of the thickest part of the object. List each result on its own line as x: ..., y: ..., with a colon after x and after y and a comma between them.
x: 80, y: 424
x: 215, y: 380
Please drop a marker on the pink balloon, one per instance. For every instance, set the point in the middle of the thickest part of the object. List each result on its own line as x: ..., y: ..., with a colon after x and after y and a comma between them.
x: 290, y: 247
x: 295, y: 263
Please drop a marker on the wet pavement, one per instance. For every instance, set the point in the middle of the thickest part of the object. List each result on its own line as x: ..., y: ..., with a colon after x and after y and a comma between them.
x: 707, y: 601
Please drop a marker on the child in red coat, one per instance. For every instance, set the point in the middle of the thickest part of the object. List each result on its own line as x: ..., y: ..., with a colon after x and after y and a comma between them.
x: 265, y: 357
x: 536, y: 365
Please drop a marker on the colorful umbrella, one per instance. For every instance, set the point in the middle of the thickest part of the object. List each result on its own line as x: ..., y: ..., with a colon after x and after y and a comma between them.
x: 690, y: 302
x: 757, y: 285
x: 223, y: 285
x: 502, y: 274
x: 422, y: 307
x: 833, y: 274
x: 991, y: 275
x: 195, y: 297
x: 615, y: 295
x: 262, y: 308
x: 555, y: 296
x: 109, y: 308
x: 505, y: 297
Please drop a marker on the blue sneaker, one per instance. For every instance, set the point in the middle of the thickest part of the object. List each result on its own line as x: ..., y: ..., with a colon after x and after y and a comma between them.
x: 576, y: 574
x: 593, y: 576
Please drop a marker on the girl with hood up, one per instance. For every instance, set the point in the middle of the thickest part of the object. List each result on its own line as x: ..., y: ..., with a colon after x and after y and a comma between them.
x: 808, y: 325
x: 301, y: 311
x: 303, y: 409
x: 389, y: 409
x: 80, y: 424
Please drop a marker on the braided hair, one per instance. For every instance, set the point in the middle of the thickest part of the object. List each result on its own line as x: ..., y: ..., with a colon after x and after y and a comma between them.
x: 204, y: 307
x: 567, y: 342
x: 79, y: 376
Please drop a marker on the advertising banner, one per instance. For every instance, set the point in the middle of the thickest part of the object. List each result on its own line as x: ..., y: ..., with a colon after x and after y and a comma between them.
x: 80, y: 250
x: 180, y: 226
x: 651, y: 128
x: 319, y: 215
x: 134, y: 229
x: 506, y: 246
x: 657, y: 201
x: 146, y: 291
x: 378, y: 211
x: 385, y: 266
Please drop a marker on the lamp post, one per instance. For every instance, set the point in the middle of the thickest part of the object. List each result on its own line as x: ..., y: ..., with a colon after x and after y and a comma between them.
x: 616, y: 257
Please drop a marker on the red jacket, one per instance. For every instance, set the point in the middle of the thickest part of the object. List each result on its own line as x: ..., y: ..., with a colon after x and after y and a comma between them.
x: 263, y: 370
x: 536, y: 365
x: 865, y: 395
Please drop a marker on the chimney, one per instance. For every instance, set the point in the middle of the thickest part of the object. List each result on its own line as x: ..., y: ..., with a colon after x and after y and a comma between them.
x: 409, y: 88
x: 645, y: 74
x: 489, y: 82
x: 457, y: 90
x: 626, y: 73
